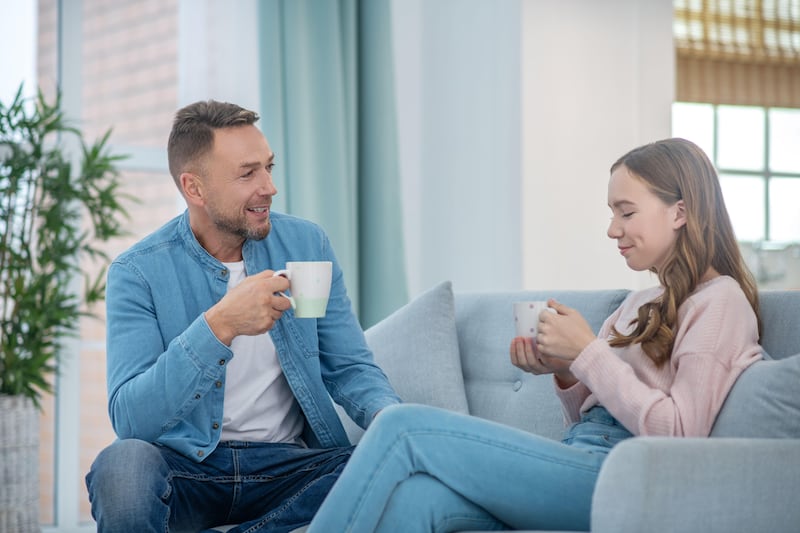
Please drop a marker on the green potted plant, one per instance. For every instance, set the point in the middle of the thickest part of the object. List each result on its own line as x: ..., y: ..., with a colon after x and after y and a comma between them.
x: 53, y: 215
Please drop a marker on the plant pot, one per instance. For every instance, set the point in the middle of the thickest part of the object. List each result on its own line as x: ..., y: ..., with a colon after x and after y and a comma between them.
x: 19, y: 465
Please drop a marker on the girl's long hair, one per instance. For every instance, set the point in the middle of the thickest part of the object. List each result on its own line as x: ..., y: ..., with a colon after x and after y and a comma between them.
x: 677, y: 169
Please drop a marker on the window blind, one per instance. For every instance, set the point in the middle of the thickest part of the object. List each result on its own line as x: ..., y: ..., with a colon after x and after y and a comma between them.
x: 740, y: 52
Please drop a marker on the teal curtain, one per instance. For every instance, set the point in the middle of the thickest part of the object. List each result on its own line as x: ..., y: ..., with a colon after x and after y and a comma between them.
x: 328, y: 112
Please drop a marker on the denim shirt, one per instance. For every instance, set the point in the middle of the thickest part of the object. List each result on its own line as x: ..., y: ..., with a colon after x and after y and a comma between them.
x: 166, y: 368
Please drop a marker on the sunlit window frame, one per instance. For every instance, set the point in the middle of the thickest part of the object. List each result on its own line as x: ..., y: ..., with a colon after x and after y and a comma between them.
x: 765, y: 173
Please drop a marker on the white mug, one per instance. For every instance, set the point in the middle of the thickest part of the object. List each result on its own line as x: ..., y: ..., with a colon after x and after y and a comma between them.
x: 310, y: 287
x: 526, y: 317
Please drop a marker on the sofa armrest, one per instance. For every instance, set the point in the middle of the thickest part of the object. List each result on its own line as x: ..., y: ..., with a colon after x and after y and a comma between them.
x: 679, y: 485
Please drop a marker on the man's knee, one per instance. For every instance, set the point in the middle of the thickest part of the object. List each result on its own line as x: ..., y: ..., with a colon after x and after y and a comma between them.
x: 125, y: 468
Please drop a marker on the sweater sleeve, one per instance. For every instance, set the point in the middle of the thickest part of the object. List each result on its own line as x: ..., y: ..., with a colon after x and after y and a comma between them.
x: 574, y: 398
x: 716, y: 339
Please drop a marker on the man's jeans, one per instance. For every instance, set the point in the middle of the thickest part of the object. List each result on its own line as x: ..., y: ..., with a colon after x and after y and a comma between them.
x: 137, y: 486
x: 419, y: 469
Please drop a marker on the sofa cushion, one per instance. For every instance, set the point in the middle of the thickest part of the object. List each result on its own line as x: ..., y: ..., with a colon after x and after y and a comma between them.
x: 764, y: 402
x: 417, y: 348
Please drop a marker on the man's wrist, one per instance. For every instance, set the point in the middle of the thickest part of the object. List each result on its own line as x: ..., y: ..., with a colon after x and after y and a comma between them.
x: 214, y: 322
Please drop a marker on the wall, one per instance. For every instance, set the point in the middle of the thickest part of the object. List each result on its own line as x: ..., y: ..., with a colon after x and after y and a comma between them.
x: 510, y: 114
x: 598, y: 80
x: 503, y: 107
x: 457, y: 65
x: 218, y: 52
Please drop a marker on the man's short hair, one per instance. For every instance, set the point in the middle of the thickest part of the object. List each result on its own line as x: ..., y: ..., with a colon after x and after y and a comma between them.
x: 192, y: 135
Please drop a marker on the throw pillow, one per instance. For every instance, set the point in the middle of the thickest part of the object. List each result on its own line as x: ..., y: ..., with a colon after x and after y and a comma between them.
x: 764, y: 402
x: 417, y: 348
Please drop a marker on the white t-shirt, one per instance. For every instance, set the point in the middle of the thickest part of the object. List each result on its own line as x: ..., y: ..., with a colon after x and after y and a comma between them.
x: 259, y: 405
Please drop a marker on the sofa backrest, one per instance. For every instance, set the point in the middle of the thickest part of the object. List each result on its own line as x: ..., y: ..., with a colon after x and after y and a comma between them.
x: 780, y: 314
x: 497, y: 390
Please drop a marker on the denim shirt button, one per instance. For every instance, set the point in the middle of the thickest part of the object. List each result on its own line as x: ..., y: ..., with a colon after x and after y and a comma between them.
x: 517, y: 385
x: 200, y: 453
x: 215, y: 425
x: 221, y: 362
x: 223, y: 272
x: 197, y: 396
x: 218, y: 384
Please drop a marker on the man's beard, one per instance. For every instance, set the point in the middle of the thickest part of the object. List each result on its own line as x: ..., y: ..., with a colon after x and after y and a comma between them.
x: 238, y: 226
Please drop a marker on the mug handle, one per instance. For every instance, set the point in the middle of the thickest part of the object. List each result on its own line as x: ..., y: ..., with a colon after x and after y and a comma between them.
x: 286, y: 274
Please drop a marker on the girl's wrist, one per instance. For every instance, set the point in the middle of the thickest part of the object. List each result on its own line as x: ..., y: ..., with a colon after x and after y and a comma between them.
x: 565, y: 380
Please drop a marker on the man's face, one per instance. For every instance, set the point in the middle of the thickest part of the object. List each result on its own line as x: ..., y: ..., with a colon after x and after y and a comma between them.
x: 237, y: 180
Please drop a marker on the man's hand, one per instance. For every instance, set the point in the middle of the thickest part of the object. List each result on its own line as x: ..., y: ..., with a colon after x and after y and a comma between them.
x: 250, y: 308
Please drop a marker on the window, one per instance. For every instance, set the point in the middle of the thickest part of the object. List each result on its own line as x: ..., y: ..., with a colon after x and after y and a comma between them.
x: 123, y: 76
x: 755, y: 152
x: 737, y: 69
x: 738, y: 52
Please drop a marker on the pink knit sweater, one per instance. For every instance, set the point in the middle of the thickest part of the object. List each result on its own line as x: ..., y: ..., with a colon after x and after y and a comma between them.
x: 716, y: 339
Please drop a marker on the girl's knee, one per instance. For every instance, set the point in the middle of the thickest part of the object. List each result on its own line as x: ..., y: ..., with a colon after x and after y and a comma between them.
x: 406, y: 417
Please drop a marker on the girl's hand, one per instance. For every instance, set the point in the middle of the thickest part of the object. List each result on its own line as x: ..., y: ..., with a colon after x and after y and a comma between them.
x: 525, y: 356
x: 564, y: 334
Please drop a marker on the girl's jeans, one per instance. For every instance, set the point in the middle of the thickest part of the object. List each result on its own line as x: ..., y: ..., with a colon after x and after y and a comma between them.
x: 421, y: 469
x: 137, y: 486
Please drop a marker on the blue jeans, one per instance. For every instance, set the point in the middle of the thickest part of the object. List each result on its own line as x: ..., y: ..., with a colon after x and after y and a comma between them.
x: 422, y: 469
x: 138, y: 486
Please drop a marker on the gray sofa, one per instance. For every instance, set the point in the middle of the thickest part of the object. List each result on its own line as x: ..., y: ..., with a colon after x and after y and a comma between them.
x: 452, y: 352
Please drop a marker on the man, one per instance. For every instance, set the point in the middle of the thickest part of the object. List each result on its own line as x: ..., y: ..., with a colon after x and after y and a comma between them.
x: 219, y: 395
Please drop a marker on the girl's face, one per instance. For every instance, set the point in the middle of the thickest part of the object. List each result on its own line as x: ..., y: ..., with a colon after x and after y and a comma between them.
x: 644, y: 227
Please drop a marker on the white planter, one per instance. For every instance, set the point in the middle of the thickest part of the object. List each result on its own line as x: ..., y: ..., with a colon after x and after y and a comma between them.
x: 19, y: 465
